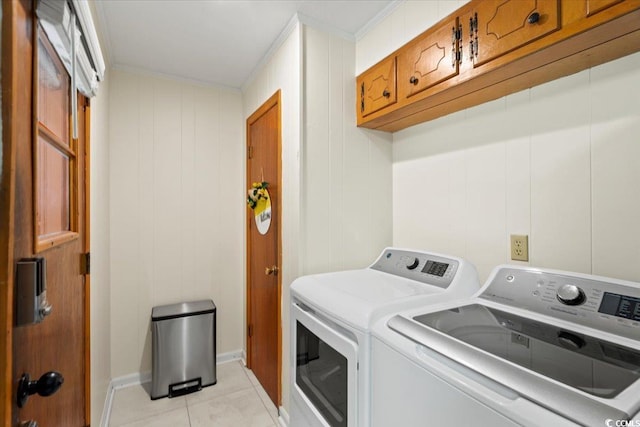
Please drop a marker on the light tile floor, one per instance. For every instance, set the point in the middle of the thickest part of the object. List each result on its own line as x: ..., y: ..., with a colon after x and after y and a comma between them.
x: 236, y: 400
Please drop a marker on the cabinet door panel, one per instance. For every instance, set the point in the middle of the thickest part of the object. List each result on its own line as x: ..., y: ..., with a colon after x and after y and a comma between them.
x: 428, y: 60
x: 377, y: 87
x: 505, y: 25
x: 595, y: 6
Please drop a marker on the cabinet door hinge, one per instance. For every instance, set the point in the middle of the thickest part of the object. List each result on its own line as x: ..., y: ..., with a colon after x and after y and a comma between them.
x: 456, y: 42
x: 473, y: 37
x: 85, y: 263
x: 250, y: 331
x: 250, y: 152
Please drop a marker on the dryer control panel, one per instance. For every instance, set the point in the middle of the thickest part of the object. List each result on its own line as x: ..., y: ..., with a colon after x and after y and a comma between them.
x: 610, y: 305
x: 424, y: 267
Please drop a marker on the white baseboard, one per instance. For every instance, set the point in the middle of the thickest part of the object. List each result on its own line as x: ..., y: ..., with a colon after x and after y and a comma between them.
x: 283, y: 417
x: 230, y: 356
x: 138, y: 378
x: 108, y: 403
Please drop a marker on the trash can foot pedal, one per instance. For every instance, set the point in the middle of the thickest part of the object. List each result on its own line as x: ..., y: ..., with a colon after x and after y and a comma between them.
x: 185, y: 387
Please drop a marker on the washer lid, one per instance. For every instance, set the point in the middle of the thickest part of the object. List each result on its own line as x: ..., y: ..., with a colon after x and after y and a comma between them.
x: 592, y: 365
x: 584, y: 378
x: 355, y: 296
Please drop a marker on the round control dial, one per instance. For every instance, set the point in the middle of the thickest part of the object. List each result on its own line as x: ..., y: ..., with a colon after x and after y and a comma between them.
x: 570, y: 295
x: 412, y: 263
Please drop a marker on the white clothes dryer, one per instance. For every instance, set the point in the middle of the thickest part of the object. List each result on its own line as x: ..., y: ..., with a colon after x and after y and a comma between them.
x: 535, y: 347
x: 331, y: 317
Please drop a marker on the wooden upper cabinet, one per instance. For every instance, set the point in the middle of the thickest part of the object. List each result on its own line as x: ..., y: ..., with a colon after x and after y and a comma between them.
x: 496, y: 27
x: 377, y: 87
x: 429, y: 59
x: 491, y: 48
x: 595, y: 6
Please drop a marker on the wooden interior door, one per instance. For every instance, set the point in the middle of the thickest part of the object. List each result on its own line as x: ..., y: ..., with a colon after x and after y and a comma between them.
x: 49, y: 220
x: 264, y: 332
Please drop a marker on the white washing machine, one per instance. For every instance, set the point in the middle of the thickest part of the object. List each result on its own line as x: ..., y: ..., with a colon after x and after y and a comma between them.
x: 533, y: 348
x: 331, y: 316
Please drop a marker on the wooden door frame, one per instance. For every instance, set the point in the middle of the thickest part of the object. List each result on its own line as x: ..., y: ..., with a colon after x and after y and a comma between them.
x: 274, y: 100
x: 87, y: 249
x: 7, y: 198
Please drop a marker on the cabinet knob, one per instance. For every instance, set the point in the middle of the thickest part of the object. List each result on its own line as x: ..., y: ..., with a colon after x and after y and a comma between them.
x: 533, y: 18
x: 413, y: 80
x: 386, y: 93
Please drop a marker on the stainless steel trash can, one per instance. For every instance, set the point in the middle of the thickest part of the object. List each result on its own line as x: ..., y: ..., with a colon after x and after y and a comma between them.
x: 184, y: 348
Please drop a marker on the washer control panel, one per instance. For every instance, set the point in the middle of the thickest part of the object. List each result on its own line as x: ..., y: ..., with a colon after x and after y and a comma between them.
x: 421, y: 266
x: 607, y: 304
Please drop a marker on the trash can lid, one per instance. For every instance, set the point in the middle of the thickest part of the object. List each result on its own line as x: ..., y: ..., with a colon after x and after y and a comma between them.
x: 183, y: 309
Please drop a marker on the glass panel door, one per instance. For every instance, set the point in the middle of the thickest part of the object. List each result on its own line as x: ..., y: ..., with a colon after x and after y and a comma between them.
x: 55, y: 161
x: 321, y: 373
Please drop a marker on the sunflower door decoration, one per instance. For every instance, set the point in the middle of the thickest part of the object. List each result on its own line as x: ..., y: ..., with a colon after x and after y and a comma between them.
x: 259, y: 200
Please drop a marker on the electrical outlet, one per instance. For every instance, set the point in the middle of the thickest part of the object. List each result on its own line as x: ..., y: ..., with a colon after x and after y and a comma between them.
x: 519, y: 247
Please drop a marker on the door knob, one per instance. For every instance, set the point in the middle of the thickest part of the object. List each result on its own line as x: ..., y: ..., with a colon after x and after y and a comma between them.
x: 271, y: 270
x: 47, y: 385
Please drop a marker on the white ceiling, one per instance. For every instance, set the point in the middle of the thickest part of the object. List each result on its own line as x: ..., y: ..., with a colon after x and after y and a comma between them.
x: 216, y: 41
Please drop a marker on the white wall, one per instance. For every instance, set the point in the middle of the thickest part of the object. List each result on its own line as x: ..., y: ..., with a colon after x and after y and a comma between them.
x: 177, y: 206
x: 283, y: 71
x: 346, y: 194
x: 100, y: 254
x: 558, y: 162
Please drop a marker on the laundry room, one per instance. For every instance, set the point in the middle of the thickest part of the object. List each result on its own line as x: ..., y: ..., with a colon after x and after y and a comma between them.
x: 234, y: 152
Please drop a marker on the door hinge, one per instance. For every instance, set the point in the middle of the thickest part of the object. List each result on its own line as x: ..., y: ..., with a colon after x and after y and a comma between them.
x: 250, y: 331
x: 85, y: 263
x: 456, y: 49
x: 250, y: 152
x: 473, y: 36
x: 473, y: 23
